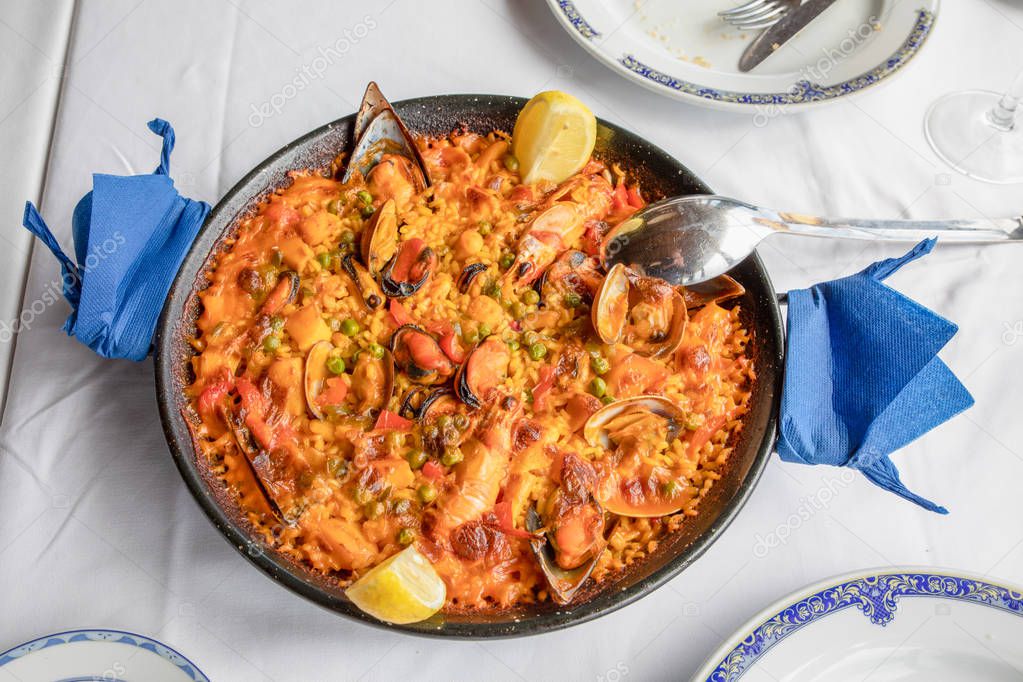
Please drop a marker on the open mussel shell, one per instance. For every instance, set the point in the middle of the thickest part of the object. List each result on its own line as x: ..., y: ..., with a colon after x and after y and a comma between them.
x: 716, y: 290
x: 379, y: 240
x: 408, y: 270
x: 372, y: 381
x: 369, y: 291
x: 485, y: 368
x: 645, y: 313
x: 468, y: 275
x: 379, y: 131
x: 426, y: 406
x: 315, y: 375
x: 417, y: 354
x: 256, y: 460
x: 563, y: 583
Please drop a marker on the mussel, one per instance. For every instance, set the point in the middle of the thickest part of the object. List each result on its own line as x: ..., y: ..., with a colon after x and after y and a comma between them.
x: 372, y: 381
x: 427, y: 407
x: 369, y: 291
x: 645, y: 313
x: 468, y: 275
x: 484, y: 369
x: 635, y: 430
x: 569, y: 529
x: 417, y: 353
x: 284, y: 292
x: 258, y: 463
x: 379, y: 240
x: 408, y: 270
x: 716, y: 290
x: 380, y: 136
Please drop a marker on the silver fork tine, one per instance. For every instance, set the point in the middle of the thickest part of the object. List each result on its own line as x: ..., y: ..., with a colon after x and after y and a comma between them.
x: 744, y: 8
x: 769, y: 9
x: 755, y: 25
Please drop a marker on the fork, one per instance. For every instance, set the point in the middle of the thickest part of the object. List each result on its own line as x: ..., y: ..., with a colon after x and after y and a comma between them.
x: 757, y: 14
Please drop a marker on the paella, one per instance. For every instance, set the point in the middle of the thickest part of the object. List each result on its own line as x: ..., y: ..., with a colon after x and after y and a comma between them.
x: 417, y: 376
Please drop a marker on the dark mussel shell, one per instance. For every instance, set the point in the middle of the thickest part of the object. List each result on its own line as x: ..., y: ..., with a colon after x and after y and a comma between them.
x: 426, y: 406
x: 379, y: 131
x: 417, y: 353
x: 484, y: 369
x: 370, y: 293
x: 469, y: 274
x: 284, y: 292
x: 408, y: 270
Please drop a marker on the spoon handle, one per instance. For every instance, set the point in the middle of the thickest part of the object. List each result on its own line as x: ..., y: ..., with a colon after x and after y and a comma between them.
x: 983, y: 230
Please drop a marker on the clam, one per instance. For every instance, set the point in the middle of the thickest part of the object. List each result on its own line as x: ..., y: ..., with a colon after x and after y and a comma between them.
x: 372, y: 381
x: 381, y: 136
x: 417, y: 353
x: 645, y: 313
x: 484, y: 369
x: 636, y: 429
x: 721, y: 288
x: 379, y: 240
x: 369, y: 291
x: 408, y: 270
x: 315, y: 375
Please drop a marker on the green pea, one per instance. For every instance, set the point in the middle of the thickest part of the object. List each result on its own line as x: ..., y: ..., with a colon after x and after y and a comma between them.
x: 506, y: 260
x: 416, y: 459
x: 347, y: 237
x: 324, y: 260
x: 426, y: 493
x: 670, y: 488
x: 364, y: 196
x: 271, y: 344
x: 513, y: 345
x: 598, y: 387
x: 335, y: 206
x: 451, y: 457
x: 373, y: 509
x: 607, y: 400
x: 493, y: 290
x: 350, y: 327
x: 337, y: 467
x: 511, y: 163
x: 336, y: 365
x: 600, y: 364
x: 406, y: 536
x: 367, y: 211
x: 573, y: 300
x: 443, y: 421
x: 376, y: 350
x: 537, y: 351
x: 276, y: 258
x: 277, y: 324
x: 484, y: 330
x: 461, y: 421
x: 470, y: 335
x: 484, y: 227
x: 530, y: 297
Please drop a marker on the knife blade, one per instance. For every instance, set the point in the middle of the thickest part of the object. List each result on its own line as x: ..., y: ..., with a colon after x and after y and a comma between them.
x: 765, y: 44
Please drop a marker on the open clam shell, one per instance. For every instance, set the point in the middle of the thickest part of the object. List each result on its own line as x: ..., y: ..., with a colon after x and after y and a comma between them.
x: 645, y: 313
x: 379, y: 240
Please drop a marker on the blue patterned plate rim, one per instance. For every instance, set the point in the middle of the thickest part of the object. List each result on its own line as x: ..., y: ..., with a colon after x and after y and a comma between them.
x: 800, y: 94
x: 173, y: 656
x: 874, y: 592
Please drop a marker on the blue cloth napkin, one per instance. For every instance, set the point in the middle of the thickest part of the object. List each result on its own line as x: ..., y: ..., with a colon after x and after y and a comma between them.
x: 131, y: 234
x: 862, y: 376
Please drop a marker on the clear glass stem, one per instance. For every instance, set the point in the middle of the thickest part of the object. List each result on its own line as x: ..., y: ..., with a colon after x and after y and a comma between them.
x: 1003, y: 115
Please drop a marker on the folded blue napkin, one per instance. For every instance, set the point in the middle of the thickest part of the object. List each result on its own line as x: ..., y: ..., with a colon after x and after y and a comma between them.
x: 131, y: 234
x: 862, y: 376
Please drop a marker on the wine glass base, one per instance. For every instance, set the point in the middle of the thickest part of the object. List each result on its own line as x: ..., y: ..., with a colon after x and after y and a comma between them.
x: 960, y: 133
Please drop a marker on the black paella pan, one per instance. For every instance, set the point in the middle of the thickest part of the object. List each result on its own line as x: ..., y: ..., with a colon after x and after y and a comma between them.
x: 660, y: 175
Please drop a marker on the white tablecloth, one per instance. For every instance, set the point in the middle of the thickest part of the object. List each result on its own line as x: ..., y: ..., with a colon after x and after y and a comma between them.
x: 97, y: 529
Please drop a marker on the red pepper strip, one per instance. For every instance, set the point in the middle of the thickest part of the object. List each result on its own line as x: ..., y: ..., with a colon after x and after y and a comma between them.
x: 449, y: 344
x: 620, y: 198
x: 335, y: 392
x: 703, y: 434
x: 506, y: 523
x: 389, y: 421
x: 433, y: 471
x: 548, y: 375
x: 398, y: 313
x: 635, y: 199
x: 212, y: 394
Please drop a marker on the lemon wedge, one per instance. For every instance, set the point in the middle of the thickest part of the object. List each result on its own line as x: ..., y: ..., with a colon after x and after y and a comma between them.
x: 553, y: 137
x: 402, y: 589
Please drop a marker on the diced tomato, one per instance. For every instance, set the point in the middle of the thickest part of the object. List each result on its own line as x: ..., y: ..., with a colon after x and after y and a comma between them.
x: 433, y: 471
x: 282, y: 215
x: 398, y: 313
x: 213, y: 393
x: 506, y: 522
x: 635, y: 199
x: 548, y: 376
x: 620, y: 198
x: 389, y: 421
x: 335, y: 392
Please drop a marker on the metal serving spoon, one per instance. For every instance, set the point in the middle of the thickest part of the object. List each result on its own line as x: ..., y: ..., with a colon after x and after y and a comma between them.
x: 691, y: 239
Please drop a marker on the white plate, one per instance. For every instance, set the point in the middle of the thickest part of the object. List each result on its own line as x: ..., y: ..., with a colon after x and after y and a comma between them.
x: 892, y: 624
x: 101, y: 655
x: 683, y: 50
